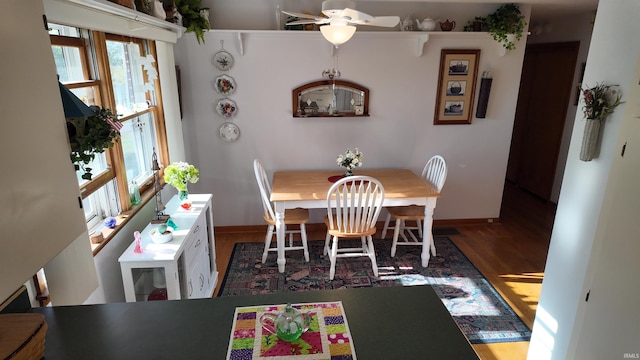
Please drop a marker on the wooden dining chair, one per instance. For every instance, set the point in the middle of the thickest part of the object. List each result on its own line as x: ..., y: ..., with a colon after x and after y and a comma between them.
x: 291, y: 217
x: 353, y: 206
x: 435, y: 174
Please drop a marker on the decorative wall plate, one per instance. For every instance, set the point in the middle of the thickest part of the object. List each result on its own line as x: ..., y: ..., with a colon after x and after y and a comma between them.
x: 225, y: 85
x: 222, y: 60
x: 226, y: 108
x: 229, y: 131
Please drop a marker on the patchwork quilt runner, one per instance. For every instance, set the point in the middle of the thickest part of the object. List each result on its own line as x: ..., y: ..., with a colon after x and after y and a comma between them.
x: 328, y: 336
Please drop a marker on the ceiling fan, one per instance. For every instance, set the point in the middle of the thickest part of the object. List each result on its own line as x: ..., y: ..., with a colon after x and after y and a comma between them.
x: 340, y: 20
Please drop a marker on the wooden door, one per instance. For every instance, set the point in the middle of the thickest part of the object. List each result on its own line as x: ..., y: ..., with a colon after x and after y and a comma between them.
x: 545, y: 91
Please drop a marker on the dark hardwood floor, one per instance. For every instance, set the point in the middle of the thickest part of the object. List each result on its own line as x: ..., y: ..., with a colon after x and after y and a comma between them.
x: 511, y: 254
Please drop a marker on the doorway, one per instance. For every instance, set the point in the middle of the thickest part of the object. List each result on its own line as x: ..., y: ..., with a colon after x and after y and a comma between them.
x: 545, y: 90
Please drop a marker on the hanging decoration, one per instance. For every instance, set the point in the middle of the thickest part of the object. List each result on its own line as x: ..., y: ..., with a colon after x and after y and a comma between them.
x: 599, y: 102
x: 222, y: 60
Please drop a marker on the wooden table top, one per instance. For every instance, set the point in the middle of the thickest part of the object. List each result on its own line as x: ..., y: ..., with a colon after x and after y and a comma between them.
x: 314, y: 184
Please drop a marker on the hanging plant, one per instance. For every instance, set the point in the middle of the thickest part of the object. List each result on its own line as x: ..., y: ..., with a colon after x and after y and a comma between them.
x: 91, y: 135
x: 192, y: 18
x: 506, y: 20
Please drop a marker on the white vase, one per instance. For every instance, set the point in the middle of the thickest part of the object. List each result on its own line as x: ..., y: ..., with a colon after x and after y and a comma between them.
x: 589, y: 149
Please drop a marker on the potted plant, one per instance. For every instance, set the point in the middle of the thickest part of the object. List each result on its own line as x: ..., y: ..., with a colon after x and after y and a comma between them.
x: 192, y: 19
x: 91, y: 135
x: 505, y: 23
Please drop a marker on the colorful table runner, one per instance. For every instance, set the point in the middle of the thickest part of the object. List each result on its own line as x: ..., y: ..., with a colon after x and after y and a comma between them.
x: 328, y: 336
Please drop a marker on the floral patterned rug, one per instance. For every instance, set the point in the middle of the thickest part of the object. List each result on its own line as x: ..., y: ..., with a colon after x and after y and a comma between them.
x: 480, y: 312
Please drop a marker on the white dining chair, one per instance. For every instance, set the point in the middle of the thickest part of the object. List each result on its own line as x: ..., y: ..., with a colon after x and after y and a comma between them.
x: 354, y: 204
x: 435, y: 174
x: 291, y: 217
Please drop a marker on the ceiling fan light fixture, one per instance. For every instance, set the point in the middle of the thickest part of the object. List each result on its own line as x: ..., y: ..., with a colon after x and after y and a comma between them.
x: 337, y: 34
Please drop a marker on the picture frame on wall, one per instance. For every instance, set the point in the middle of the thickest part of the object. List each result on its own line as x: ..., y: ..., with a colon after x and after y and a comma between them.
x: 456, y: 86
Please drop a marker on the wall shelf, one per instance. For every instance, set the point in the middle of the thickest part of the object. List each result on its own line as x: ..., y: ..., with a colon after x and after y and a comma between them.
x: 420, y: 37
x: 137, y: 19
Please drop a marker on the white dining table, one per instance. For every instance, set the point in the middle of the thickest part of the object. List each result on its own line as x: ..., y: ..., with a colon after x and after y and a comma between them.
x: 308, y: 189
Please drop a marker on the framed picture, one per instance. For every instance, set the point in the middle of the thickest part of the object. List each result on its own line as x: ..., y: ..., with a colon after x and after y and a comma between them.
x: 456, y: 86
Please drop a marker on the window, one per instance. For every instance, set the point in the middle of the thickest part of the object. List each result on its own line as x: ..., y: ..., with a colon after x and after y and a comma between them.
x: 131, y: 77
x: 118, y: 73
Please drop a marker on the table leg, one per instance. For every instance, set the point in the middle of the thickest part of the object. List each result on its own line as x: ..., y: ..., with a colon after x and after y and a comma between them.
x: 280, y: 235
x: 427, y: 232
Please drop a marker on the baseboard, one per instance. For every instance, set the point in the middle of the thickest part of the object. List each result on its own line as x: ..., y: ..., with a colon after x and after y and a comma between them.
x: 322, y: 226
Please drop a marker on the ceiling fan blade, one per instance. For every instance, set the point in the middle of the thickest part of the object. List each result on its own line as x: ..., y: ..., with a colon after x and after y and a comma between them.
x: 384, y: 21
x: 355, y: 15
x: 301, y: 16
x: 303, y: 22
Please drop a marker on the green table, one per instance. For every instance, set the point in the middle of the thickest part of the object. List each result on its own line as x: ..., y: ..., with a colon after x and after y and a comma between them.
x: 385, y: 323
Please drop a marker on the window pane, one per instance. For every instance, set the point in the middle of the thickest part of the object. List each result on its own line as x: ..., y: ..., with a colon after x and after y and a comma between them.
x: 97, y: 165
x: 88, y: 95
x: 127, y: 77
x: 100, y: 205
x: 68, y: 63
x: 55, y: 29
x: 138, y: 138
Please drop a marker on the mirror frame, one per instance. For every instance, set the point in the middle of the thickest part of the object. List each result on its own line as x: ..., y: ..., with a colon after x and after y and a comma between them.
x: 296, y: 92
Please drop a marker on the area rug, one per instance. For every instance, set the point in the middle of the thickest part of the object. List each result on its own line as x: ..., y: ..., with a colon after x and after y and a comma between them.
x: 480, y: 312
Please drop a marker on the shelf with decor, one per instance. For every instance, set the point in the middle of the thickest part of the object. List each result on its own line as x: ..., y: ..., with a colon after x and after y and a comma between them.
x: 420, y: 37
x: 138, y: 20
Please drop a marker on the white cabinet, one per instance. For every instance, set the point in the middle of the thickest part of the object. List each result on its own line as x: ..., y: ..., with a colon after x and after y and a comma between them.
x: 183, y: 268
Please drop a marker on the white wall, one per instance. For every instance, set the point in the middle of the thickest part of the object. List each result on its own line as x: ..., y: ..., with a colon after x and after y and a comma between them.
x: 399, y: 132
x: 580, y: 230
x: 570, y: 28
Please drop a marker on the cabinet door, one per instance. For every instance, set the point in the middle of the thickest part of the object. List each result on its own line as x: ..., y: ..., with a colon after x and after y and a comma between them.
x: 198, y: 279
x: 195, y: 241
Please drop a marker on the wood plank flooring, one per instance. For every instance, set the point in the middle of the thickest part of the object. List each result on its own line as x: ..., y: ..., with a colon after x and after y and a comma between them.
x: 511, y: 254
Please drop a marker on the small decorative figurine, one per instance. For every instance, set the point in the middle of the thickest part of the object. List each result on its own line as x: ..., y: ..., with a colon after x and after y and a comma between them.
x: 138, y: 241
x: 172, y: 224
x: 110, y: 222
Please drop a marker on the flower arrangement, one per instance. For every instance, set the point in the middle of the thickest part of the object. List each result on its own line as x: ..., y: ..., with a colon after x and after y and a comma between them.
x: 600, y: 101
x: 179, y: 174
x: 350, y: 160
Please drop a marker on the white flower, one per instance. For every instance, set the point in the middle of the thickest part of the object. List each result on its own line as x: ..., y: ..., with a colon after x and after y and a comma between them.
x: 350, y: 159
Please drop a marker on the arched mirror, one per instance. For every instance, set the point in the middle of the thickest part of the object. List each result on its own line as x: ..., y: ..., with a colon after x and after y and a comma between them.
x: 329, y: 98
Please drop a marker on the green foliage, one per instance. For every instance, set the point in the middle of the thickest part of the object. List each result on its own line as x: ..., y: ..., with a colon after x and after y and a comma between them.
x: 507, y: 19
x: 600, y: 101
x: 191, y: 18
x: 91, y: 135
x: 178, y: 174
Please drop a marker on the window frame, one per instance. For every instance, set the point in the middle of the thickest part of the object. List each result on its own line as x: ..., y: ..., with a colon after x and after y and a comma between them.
x: 95, y: 65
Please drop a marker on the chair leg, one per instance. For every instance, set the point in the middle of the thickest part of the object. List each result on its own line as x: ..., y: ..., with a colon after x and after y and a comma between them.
x: 372, y: 256
x: 303, y: 235
x: 396, y: 233
x: 332, y: 257
x: 325, y: 251
x: 419, y: 223
x: 432, y: 245
x: 267, y: 242
x: 291, y: 239
x: 386, y: 225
